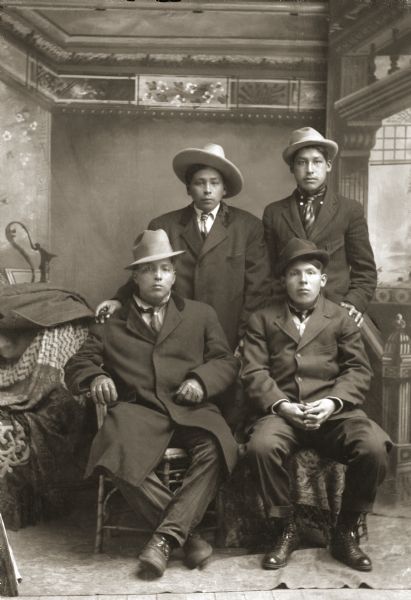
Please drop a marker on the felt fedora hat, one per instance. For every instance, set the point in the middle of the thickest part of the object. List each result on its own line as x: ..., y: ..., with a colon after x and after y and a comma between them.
x: 212, y: 155
x: 150, y: 246
x: 298, y: 249
x: 307, y: 136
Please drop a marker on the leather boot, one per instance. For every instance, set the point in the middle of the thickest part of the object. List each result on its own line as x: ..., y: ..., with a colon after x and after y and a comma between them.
x: 344, y: 545
x: 196, y: 551
x: 286, y: 543
x: 156, y: 554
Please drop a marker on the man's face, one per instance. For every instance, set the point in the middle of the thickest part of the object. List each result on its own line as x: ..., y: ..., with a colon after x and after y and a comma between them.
x: 310, y: 169
x: 206, y: 188
x: 303, y: 281
x: 155, y: 280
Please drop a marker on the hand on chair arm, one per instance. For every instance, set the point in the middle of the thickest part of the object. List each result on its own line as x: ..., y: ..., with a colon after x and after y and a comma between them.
x: 103, y: 390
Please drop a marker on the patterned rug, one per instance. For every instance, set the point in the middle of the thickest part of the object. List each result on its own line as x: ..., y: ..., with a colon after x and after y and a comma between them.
x: 57, y: 557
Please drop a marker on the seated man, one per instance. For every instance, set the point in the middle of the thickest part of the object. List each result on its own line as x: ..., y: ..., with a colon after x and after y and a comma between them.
x: 306, y: 372
x: 166, y: 359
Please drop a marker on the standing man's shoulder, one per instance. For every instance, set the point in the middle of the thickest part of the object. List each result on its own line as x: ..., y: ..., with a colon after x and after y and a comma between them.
x: 172, y: 217
x: 277, y: 205
x: 348, y: 205
x: 243, y: 218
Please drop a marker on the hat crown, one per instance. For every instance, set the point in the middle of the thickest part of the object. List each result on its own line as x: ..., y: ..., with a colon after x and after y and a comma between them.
x: 300, y: 249
x: 306, y: 134
x: 151, y: 244
x: 215, y: 149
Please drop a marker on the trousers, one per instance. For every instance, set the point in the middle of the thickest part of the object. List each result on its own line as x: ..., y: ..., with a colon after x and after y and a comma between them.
x: 177, y: 514
x: 359, y: 443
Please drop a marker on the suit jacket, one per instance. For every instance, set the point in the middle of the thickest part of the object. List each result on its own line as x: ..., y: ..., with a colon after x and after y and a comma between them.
x: 328, y: 360
x: 229, y: 270
x: 342, y: 231
x: 147, y: 371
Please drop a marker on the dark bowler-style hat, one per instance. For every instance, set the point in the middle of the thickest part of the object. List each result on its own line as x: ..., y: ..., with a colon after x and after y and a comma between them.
x: 151, y: 246
x: 212, y: 155
x: 298, y: 249
x: 307, y: 136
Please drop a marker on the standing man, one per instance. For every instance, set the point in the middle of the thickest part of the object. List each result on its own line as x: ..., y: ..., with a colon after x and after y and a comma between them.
x: 306, y: 372
x: 160, y: 364
x: 225, y: 263
x: 335, y: 224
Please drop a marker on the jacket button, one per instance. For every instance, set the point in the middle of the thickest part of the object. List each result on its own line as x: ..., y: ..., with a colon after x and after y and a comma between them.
x: 299, y: 379
x: 298, y: 355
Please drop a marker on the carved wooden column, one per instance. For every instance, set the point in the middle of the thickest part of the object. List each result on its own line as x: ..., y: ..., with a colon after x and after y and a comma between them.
x: 396, y: 370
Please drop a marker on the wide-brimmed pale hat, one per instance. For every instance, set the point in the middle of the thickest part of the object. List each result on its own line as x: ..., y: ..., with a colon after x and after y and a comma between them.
x: 307, y: 136
x: 212, y: 155
x: 298, y: 248
x: 150, y: 246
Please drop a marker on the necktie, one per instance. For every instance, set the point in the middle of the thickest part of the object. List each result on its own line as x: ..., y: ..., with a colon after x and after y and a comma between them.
x: 155, y: 321
x: 308, y: 214
x: 203, y: 228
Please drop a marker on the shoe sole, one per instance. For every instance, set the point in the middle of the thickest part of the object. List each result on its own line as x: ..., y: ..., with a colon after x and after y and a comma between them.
x: 273, y: 567
x: 197, y: 564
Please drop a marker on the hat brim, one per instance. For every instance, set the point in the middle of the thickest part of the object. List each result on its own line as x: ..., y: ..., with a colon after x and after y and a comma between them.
x: 153, y: 258
x: 320, y: 255
x: 233, y: 178
x: 330, y: 145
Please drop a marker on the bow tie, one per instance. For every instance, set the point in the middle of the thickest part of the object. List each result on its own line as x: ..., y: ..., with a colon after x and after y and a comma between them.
x: 301, y: 314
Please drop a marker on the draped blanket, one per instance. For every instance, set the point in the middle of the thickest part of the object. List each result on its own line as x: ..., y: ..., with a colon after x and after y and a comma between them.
x: 40, y: 426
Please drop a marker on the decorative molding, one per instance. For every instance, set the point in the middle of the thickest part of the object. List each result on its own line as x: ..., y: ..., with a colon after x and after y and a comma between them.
x: 56, y: 55
x: 313, y: 118
x: 378, y: 100
x: 359, y: 27
x: 186, y: 92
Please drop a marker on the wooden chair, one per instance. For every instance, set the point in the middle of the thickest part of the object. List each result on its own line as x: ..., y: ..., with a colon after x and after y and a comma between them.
x: 171, y: 471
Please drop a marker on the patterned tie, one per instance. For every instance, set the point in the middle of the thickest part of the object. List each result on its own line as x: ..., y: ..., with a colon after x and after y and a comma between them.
x: 203, y: 229
x: 308, y: 214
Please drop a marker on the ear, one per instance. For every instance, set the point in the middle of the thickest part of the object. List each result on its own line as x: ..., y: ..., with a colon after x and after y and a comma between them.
x: 329, y: 166
x: 324, y: 278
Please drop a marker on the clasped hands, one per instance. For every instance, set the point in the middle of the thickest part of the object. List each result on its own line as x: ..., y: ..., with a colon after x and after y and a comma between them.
x: 309, y: 417
x: 103, y: 391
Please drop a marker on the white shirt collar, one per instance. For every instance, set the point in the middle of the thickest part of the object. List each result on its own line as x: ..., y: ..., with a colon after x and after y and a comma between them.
x: 212, y: 212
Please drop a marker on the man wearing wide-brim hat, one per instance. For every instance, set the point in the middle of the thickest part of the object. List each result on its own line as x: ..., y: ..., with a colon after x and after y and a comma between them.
x: 225, y: 263
x: 305, y: 372
x: 336, y: 224
x: 160, y: 364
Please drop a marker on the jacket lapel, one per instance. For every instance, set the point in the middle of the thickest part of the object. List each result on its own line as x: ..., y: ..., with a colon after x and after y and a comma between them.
x: 292, y: 216
x: 325, y: 216
x: 172, y: 319
x: 319, y: 319
x: 137, y: 325
x: 190, y: 232
x: 285, y: 322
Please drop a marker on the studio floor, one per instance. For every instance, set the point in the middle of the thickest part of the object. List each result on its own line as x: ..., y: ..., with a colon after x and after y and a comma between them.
x: 56, y: 560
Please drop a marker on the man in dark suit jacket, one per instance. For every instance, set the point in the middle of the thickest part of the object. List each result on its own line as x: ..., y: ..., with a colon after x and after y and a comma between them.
x: 333, y: 223
x: 225, y: 263
x: 166, y: 360
x: 306, y: 372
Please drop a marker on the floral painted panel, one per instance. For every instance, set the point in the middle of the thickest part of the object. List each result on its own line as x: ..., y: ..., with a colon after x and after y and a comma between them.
x: 206, y: 92
x: 24, y: 166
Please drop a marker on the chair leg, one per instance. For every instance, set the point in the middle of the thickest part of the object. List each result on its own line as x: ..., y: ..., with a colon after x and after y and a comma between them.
x: 98, y: 546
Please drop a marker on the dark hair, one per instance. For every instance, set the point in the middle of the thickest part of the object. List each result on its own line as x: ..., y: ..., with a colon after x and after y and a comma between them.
x: 322, y: 149
x: 192, y: 170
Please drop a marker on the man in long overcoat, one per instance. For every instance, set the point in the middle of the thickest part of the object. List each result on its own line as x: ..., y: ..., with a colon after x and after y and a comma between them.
x: 335, y: 224
x: 166, y: 359
x: 225, y: 263
x: 306, y: 372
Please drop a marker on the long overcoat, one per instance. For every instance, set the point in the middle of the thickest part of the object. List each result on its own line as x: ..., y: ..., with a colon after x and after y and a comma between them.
x: 230, y: 270
x: 147, y: 371
x: 327, y: 360
x: 341, y: 230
